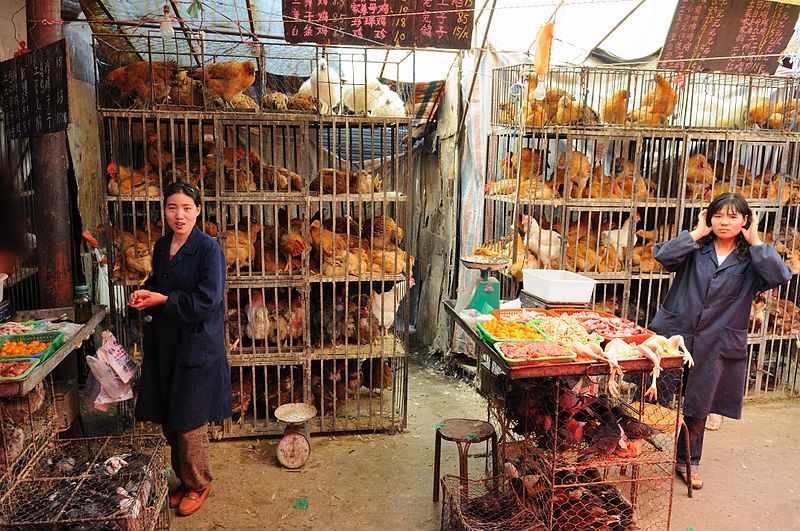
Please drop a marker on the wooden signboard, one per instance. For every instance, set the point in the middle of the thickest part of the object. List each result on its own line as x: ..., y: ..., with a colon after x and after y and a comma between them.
x: 736, y: 31
x: 410, y: 23
x: 34, y: 91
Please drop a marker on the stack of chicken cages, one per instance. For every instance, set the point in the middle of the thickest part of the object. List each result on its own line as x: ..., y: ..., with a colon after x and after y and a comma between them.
x: 612, y: 161
x: 576, y: 456
x: 309, y: 191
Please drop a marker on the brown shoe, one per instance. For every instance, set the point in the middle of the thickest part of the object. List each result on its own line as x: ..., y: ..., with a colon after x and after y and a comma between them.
x: 697, y: 479
x: 176, y: 496
x: 192, y: 501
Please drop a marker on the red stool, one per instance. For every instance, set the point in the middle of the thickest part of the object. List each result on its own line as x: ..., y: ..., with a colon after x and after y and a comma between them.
x: 463, y: 432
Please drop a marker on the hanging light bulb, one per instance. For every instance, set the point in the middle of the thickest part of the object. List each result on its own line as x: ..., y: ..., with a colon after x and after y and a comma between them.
x: 539, y: 92
x: 166, y: 29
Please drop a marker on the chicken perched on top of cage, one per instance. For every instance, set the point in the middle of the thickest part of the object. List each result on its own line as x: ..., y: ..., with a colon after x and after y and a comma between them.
x: 224, y: 81
x: 148, y: 82
x: 373, y: 98
x: 657, y: 105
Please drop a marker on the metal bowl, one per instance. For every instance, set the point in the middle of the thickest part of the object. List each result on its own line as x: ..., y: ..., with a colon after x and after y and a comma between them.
x: 295, y: 413
x: 490, y: 263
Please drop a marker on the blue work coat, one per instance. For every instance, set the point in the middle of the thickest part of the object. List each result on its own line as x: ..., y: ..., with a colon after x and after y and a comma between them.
x: 185, y: 379
x: 709, y: 305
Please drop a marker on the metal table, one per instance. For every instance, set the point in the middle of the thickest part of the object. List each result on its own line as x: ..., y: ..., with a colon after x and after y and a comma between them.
x: 41, y: 371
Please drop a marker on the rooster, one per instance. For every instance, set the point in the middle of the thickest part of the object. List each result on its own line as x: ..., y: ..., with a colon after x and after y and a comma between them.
x: 662, y: 99
x: 324, y: 85
x: 362, y: 325
x: 377, y: 374
x: 699, y: 175
x: 127, y: 182
x: 545, y: 244
x: 148, y: 82
x: 384, y: 306
x: 226, y: 80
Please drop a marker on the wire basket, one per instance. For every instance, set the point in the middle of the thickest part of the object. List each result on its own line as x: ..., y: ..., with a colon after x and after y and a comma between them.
x: 93, y: 483
x: 485, y: 504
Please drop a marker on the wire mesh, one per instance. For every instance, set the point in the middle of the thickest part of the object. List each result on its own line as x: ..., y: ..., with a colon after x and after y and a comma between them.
x: 97, y: 483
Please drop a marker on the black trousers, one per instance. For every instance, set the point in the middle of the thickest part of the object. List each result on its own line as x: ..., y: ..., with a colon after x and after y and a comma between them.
x: 697, y: 428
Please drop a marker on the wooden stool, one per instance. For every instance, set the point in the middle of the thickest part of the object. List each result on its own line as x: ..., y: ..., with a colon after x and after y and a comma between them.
x: 463, y: 432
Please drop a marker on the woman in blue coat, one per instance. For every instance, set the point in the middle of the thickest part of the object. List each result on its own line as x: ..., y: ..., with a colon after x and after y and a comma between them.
x: 719, y: 267
x: 185, y: 380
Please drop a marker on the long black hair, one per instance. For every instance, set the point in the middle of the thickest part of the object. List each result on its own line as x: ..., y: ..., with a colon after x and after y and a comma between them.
x: 737, y: 203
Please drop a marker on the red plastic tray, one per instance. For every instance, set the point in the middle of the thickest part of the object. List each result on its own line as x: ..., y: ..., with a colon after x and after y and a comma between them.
x: 509, y: 315
x: 632, y: 340
x: 571, y: 311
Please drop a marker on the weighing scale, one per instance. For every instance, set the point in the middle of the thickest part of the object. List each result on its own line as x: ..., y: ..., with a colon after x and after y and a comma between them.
x: 486, y: 290
x: 294, y: 448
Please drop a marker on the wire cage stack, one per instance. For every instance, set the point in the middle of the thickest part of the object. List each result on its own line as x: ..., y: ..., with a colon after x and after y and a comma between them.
x: 563, y: 462
x: 594, y: 196
x: 97, y: 483
x: 310, y: 205
x: 27, y: 424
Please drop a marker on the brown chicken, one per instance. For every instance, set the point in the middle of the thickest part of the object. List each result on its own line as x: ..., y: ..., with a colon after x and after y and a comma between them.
x: 186, y: 91
x: 534, y: 114
x: 602, y: 186
x: 147, y: 82
x: 614, y: 108
x: 391, y: 262
x: 138, y: 259
x: 325, y: 242
x: 662, y: 99
x: 377, y: 374
x: 241, y: 393
x: 243, y: 101
x: 275, y: 101
x: 157, y: 156
x: 646, y: 116
x: 240, y: 245
x: 573, y: 172
x: 699, y: 175
x: 629, y: 181
x: 290, y: 241
x: 225, y: 80
x: 571, y: 112
x: 329, y: 181
x: 127, y: 182
x: 362, y: 325
x: 363, y: 182
x: 529, y: 161
x: 759, y: 112
x: 302, y: 102
x: 383, y: 232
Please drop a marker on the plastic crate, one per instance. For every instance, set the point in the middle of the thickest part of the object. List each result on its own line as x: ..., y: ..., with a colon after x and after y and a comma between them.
x: 557, y: 285
x: 514, y: 313
x: 56, y: 339
x: 489, y: 338
x: 36, y: 324
x: 33, y: 361
x: 569, y: 355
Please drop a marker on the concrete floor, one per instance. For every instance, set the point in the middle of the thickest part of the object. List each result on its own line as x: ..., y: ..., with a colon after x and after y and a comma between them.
x: 376, y: 481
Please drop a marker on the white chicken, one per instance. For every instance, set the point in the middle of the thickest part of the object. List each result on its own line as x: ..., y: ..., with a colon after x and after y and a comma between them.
x: 619, y: 238
x: 258, y: 325
x: 545, y: 244
x: 324, y: 84
x: 711, y: 111
x: 373, y: 98
x: 384, y: 306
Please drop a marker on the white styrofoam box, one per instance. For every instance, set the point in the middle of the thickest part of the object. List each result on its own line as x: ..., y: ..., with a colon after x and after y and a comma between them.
x: 557, y: 285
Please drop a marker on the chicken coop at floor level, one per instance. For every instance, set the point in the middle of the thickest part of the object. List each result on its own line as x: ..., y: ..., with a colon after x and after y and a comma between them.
x: 312, y: 211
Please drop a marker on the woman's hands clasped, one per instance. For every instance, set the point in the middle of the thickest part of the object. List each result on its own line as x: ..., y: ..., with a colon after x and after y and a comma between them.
x: 142, y: 299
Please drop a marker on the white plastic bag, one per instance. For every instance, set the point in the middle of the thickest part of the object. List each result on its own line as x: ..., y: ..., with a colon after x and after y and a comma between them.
x: 114, y: 356
x: 106, y: 376
x: 101, y: 282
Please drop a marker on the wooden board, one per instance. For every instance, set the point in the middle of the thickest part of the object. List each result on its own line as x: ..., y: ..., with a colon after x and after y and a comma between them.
x: 736, y: 31
x: 34, y: 91
x: 409, y: 23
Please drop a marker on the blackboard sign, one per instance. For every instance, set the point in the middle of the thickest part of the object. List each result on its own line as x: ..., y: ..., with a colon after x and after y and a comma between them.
x: 735, y: 30
x: 34, y: 91
x: 420, y: 23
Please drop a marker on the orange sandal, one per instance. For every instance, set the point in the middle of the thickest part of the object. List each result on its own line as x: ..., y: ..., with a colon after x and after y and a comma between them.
x: 697, y: 479
x: 192, y: 501
x: 175, y: 497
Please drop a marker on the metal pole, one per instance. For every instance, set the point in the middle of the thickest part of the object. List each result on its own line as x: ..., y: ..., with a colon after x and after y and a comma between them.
x: 49, y: 176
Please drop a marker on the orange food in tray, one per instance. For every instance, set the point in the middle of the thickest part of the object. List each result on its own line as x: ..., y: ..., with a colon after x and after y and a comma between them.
x: 21, y: 348
x: 504, y: 330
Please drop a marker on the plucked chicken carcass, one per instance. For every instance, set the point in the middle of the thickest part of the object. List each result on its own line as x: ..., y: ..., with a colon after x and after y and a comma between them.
x: 225, y: 80
x: 385, y: 305
x: 148, y: 82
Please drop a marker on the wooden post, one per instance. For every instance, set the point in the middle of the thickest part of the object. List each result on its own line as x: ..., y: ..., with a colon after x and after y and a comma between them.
x: 49, y: 177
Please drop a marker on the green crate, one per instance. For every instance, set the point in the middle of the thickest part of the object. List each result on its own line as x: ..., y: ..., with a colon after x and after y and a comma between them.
x: 56, y: 339
x: 33, y: 361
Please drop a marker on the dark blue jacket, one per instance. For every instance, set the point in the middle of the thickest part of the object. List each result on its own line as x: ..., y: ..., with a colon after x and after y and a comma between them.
x: 185, y: 379
x: 709, y: 305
